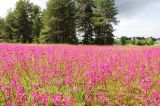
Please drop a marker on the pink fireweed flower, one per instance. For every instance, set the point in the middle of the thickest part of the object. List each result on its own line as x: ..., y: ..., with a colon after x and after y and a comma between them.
x: 56, y: 72
x: 21, y: 98
x: 40, y: 85
x: 65, y: 101
x: 142, y: 72
x: 90, y: 98
x: 129, y: 77
x: 9, y: 103
x: 156, y: 98
x: 37, y: 85
x: 60, y: 100
x: 146, y: 84
x: 127, y: 80
x: 35, y: 93
x: 68, y: 81
x: 43, y: 100
x: 72, y: 102
x: 104, y: 71
x: 76, y: 89
x: 101, y: 97
x: 34, y: 85
x: 8, y: 90
x: 44, y: 67
x: 119, y: 97
x: 56, y: 99
x: 158, y: 83
x: 21, y: 90
x: 42, y: 77
x: 68, y: 72
x: 1, y: 85
x: 143, y: 66
x: 93, y: 77
x: 14, y: 82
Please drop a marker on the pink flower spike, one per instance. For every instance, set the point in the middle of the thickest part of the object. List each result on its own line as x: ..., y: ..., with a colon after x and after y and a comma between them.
x: 1, y: 85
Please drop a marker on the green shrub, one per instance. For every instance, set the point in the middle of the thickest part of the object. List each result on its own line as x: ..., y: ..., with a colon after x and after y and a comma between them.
x: 42, y: 38
x: 123, y: 40
x: 150, y: 41
x: 117, y: 42
x: 140, y: 42
x: 131, y: 42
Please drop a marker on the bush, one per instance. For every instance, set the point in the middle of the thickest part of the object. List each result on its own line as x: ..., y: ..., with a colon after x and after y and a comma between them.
x: 132, y: 42
x: 117, y: 42
x: 140, y: 42
x: 42, y: 38
x: 150, y: 41
x: 123, y: 40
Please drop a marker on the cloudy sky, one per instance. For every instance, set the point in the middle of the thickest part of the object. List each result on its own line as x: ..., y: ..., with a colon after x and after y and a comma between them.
x: 137, y: 17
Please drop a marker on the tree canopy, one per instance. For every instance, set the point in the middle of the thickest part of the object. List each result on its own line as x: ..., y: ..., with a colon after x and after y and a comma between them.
x: 61, y: 22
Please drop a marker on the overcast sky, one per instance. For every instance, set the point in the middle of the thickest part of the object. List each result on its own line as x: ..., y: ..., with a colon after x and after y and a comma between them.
x: 137, y: 17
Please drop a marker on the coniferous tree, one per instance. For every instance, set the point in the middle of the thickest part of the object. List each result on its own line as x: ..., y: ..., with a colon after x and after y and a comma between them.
x: 105, y: 16
x: 60, y: 16
x: 62, y: 20
x: 24, y: 21
x: 85, y: 20
x: 10, y: 28
x: 95, y: 19
x: 37, y: 22
x: 2, y: 24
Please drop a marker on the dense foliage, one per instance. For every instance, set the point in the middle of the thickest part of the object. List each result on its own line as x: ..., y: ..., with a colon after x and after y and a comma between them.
x: 23, y: 23
x: 2, y: 23
x: 150, y: 41
x: 61, y: 22
x: 60, y: 19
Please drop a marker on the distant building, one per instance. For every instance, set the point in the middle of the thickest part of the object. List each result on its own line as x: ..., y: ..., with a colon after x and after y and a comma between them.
x: 138, y: 38
x: 157, y: 42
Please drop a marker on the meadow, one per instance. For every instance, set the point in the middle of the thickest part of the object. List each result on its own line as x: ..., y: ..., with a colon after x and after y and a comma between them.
x: 67, y: 75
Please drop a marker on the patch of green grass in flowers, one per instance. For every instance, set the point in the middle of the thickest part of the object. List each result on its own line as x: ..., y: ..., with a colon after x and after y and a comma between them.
x: 157, y: 82
x: 80, y: 96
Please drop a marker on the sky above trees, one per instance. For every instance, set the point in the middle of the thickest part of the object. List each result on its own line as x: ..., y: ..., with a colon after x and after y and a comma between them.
x: 137, y: 17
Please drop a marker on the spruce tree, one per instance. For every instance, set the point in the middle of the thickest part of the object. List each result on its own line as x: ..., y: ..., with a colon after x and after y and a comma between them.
x: 60, y: 16
x: 85, y: 20
x: 10, y: 28
x: 105, y: 16
x: 2, y: 24
x: 24, y: 20
x: 37, y: 22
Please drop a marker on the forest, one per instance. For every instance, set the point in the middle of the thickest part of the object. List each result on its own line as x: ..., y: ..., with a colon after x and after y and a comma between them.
x: 62, y: 21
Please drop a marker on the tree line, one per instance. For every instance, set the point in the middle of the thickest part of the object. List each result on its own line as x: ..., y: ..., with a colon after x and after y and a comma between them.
x: 63, y: 21
x: 140, y: 41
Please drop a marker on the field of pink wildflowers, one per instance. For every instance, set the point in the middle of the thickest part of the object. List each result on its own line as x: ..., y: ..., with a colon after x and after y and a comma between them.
x: 65, y: 75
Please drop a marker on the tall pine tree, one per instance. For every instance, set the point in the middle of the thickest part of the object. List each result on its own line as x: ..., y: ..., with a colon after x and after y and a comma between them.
x: 2, y: 24
x: 10, y: 29
x: 85, y: 20
x: 37, y: 22
x: 60, y: 15
x: 24, y: 20
x: 105, y: 16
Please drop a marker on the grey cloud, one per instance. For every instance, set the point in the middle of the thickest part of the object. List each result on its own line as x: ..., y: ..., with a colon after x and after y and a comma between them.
x: 128, y: 8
